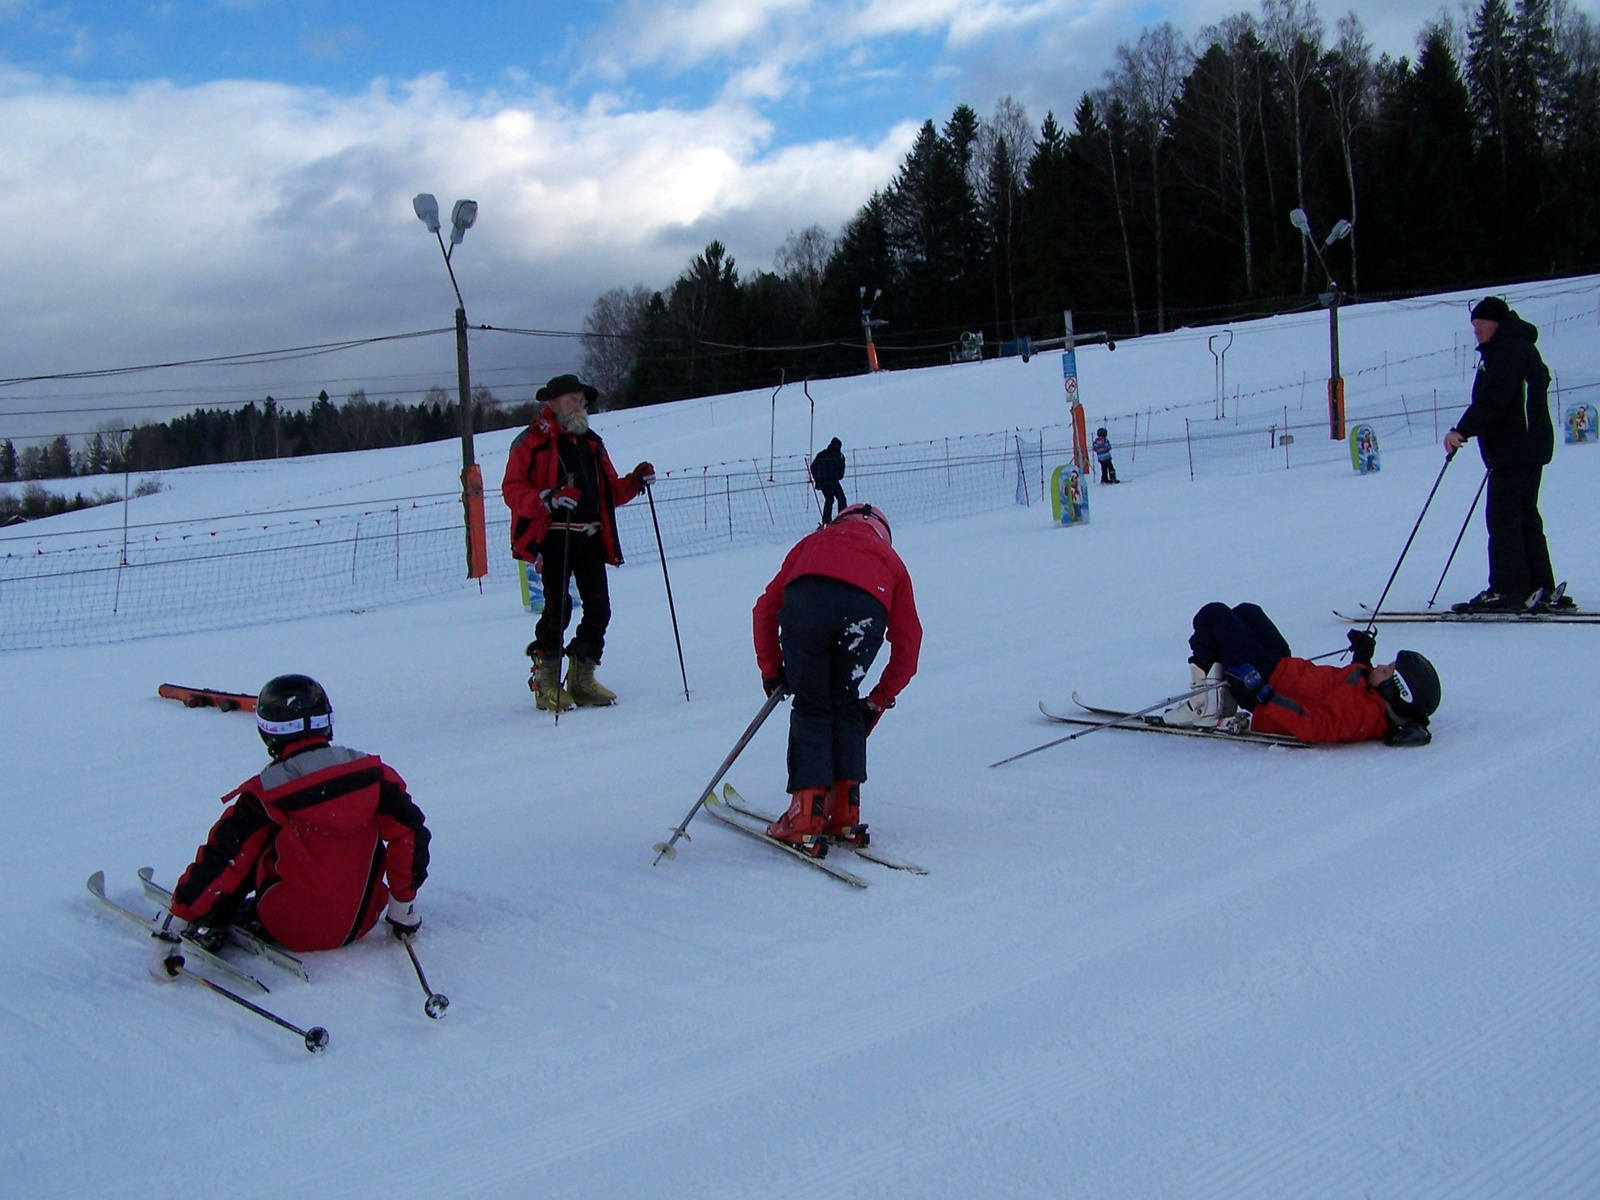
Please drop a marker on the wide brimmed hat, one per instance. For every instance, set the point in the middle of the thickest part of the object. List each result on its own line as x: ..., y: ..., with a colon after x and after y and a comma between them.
x: 561, y: 385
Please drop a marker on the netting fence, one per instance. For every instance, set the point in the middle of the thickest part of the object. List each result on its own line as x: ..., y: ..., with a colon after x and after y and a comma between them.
x: 246, y: 570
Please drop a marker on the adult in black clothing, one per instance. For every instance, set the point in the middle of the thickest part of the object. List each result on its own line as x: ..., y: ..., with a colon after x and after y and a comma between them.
x: 1510, y: 417
x: 827, y: 469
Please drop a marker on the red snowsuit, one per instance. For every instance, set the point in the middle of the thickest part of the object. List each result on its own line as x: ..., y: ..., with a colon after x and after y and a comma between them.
x: 314, y: 835
x: 1321, y: 704
x: 853, y: 552
x: 534, y: 466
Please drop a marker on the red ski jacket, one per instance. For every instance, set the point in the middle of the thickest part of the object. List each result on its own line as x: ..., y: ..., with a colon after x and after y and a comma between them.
x: 1321, y: 704
x: 314, y: 836
x: 534, y: 466
x: 854, y: 552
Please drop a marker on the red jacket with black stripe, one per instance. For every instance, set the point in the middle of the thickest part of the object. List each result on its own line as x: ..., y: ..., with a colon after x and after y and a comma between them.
x: 315, y: 836
x: 534, y: 467
x: 1321, y: 704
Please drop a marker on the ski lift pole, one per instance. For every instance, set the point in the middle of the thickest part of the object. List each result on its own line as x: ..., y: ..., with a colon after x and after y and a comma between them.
x: 665, y: 849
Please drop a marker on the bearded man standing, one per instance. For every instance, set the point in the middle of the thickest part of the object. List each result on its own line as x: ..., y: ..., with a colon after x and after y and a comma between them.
x: 563, y: 495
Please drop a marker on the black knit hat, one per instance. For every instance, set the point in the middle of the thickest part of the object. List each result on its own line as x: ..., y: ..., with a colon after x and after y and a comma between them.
x: 563, y: 384
x: 1491, y: 308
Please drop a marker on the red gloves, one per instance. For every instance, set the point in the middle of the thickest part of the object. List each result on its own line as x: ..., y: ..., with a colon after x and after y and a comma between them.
x: 644, y: 474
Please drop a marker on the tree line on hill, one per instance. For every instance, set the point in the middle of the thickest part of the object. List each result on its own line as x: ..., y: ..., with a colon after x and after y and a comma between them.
x: 1167, y: 199
x: 259, y: 431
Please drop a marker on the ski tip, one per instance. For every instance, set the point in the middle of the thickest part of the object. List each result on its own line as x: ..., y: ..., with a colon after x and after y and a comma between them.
x: 147, y: 874
x: 97, y: 883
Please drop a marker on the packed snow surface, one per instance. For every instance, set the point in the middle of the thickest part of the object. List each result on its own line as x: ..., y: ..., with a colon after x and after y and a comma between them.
x: 1140, y: 966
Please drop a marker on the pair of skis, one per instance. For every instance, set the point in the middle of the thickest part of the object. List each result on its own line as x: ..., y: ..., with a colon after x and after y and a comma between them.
x: 1449, y: 617
x: 732, y: 810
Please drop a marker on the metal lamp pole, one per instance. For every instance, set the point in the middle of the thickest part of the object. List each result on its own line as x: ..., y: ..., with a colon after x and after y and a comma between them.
x: 1330, y: 301
x: 869, y: 323
x: 462, y: 216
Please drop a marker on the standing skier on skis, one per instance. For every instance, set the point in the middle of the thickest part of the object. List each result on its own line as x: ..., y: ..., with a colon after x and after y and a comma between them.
x: 840, y: 592
x: 827, y: 473
x: 1510, y: 417
x: 301, y: 854
x: 1102, y: 452
x: 563, y: 495
x: 1246, y: 662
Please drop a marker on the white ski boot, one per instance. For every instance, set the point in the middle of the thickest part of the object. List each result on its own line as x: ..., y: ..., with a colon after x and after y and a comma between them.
x: 1210, y: 708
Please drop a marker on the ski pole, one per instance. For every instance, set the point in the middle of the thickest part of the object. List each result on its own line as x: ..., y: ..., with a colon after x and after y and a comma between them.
x: 316, y: 1038
x: 1459, y: 536
x: 664, y: 849
x: 1377, y: 607
x: 661, y: 550
x: 565, y: 602
x: 1122, y: 720
x: 437, y: 1002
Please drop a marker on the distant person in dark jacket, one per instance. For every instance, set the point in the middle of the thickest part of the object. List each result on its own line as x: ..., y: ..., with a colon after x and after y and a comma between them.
x: 1510, y: 417
x: 1102, y: 452
x: 827, y: 469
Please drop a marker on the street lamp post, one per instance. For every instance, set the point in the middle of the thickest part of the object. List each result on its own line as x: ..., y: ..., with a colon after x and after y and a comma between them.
x: 1330, y: 301
x: 462, y: 216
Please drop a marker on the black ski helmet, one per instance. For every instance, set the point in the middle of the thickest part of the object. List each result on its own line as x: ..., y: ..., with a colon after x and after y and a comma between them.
x: 1101, y: 432
x: 292, y: 707
x: 1413, y: 691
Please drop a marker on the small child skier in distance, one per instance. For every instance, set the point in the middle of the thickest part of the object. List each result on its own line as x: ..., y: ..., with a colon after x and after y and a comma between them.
x: 1102, y: 451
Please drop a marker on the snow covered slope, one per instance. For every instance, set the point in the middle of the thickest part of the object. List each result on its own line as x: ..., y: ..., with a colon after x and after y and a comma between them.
x: 1140, y: 966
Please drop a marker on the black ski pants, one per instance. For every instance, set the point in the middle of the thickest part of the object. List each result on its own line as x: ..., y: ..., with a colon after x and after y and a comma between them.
x: 585, y: 555
x: 1519, y: 560
x: 1234, y: 636
x: 1108, y: 472
x: 830, y: 632
x: 831, y: 491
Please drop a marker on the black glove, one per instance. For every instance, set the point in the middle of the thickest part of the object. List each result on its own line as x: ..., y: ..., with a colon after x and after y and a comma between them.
x: 775, y: 683
x: 1363, y: 642
x: 871, y: 711
x: 1250, y: 679
x: 1408, y: 733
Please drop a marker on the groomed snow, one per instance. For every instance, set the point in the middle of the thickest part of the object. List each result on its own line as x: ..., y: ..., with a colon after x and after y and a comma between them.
x: 1141, y: 966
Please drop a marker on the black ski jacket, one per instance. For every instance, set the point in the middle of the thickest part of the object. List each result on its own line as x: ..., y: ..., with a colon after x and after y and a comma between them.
x: 828, y: 466
x: 1510, y: 411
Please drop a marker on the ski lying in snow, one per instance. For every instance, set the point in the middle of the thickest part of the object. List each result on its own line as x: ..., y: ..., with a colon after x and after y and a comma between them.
x: 201, y: 956
x: 248, y: 942
x: 732, y: 799
x: 1446, y: 616
x: 1151, y: 725
x: 207, y: 698
x: 714, y: 806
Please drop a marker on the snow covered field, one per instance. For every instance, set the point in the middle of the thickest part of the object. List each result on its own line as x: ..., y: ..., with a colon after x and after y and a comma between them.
x: 1140, y: 966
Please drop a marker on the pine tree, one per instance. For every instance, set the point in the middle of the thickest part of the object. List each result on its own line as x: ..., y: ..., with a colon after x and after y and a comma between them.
x: 8, y: 462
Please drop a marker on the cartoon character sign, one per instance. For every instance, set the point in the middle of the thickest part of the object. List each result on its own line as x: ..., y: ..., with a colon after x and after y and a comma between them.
x: 1580, y: 424
x: 1364, y: 449
x: 1069, y: 495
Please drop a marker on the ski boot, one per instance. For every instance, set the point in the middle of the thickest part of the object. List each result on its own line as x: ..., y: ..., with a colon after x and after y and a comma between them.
x: 1491, y: 601
x: 1210, y: 708
x: 804, y: 825
x: 1551, y: 600
x: 584, y: 688
x: 842, y: 814
x: 545, y: 683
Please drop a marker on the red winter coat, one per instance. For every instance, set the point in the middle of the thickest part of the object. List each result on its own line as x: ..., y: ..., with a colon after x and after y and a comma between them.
x: 1321, y: 704
x: 314, y: 836
x: 854, y: 552
x: 534, y: 466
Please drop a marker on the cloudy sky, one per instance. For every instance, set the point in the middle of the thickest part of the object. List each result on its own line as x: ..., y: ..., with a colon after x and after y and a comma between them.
x: 204, y: 177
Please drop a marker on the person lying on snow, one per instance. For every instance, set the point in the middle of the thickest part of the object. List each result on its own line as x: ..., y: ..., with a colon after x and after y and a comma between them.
x: 821, y: 621
x: 303, y: 851
x: 1240, y: 652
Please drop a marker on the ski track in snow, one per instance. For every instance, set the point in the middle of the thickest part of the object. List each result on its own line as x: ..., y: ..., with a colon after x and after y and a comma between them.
x: 1135, y: 970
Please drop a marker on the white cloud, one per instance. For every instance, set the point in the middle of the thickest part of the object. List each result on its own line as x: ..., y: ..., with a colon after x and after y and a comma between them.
x: 163, y: 221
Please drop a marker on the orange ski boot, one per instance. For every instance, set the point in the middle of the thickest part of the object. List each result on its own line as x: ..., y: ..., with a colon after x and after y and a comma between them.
x: 803, y: 825
x: 843, y: 814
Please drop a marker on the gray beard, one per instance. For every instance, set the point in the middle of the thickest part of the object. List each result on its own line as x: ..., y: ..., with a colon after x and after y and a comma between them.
x: 576, y: 424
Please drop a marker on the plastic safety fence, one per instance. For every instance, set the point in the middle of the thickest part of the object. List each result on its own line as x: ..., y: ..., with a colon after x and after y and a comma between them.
x: 202, y: 576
